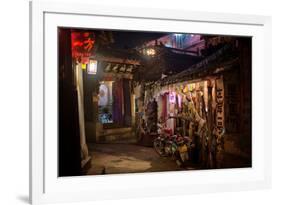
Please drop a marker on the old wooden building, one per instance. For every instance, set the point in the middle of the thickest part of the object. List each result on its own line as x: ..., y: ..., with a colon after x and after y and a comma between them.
x: 196, y: 85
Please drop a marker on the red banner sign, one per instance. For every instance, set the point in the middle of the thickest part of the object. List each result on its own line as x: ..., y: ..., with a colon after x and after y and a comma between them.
x: 82, y: 44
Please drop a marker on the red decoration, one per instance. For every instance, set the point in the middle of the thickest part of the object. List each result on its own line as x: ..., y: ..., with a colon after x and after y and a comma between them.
x: 82, y: 44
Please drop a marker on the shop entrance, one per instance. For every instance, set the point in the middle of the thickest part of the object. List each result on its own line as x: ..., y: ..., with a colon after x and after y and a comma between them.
x: 105, y: 102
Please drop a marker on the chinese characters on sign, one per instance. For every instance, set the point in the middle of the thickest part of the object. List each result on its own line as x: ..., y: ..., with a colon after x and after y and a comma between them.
x: 82, y: 45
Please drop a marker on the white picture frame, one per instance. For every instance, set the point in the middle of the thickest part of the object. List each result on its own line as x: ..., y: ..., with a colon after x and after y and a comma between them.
x: 46, y: 187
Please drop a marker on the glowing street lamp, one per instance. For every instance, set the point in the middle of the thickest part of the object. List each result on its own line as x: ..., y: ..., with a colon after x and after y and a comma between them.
x: 149, y: 51
x: 92, y: 67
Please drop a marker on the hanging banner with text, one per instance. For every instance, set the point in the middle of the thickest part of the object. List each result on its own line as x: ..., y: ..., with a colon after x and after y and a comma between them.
x: 82, y: 45
x: 219, y: 107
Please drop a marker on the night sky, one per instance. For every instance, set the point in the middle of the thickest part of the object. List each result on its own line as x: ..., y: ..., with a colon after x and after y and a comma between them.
x: 131, y: 39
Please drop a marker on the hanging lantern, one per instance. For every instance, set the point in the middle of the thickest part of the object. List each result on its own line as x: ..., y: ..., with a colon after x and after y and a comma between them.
x: 92, y: 67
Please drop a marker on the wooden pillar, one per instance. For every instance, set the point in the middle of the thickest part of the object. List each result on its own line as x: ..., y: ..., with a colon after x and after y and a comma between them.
x: 210, y: 124
x: 80, y: 92
x: 133, y: 109
x: 127, y: 102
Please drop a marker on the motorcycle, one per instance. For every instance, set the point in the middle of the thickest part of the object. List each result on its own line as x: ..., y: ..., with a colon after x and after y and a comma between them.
x: 162, y: 143
x: 174, y: 146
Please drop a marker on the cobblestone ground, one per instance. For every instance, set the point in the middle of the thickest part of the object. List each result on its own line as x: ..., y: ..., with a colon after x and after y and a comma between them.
x: 127, y: 158
x: 132, y: 158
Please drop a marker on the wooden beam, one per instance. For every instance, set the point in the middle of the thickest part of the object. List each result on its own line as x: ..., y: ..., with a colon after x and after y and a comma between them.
x: 117, y: 60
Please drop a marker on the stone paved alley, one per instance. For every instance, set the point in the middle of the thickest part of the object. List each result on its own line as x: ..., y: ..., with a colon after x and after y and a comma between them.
x: 132, y: 158
x: 127, y: 158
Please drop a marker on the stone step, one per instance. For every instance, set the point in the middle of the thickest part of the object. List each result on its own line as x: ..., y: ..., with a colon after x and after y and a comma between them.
x: 118, y: 135
x: 115, y: 131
